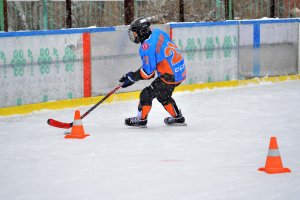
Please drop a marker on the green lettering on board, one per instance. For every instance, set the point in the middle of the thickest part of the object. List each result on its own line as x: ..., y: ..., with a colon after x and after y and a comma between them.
x: 44, y: 61
x: 18, y: 63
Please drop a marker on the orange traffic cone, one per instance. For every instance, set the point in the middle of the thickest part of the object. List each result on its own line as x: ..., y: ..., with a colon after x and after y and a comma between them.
x: 273, y: 162
x: 77, y: 128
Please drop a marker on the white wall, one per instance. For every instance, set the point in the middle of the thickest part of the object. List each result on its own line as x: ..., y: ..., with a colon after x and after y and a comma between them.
x: 276, y: 48
x: 35, y: 68
x: 210, y: 52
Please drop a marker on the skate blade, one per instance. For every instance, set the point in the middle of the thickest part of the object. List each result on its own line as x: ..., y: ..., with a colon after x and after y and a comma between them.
x: 177, y: 124
x: 138, y: 126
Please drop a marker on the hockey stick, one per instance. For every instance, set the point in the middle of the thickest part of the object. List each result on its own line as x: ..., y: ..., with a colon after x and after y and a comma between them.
x: 58, y: 124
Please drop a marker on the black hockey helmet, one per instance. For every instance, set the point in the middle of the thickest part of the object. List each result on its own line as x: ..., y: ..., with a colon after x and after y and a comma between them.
x: 142, y: 27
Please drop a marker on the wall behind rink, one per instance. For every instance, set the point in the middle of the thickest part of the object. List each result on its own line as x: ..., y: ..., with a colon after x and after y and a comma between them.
x: 222, y: 51
x: 210, y: 50
x: 271, y: 51
x: 41, y: 66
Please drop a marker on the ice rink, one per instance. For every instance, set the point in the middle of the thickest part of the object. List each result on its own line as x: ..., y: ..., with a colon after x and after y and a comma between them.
x: 215, y: 157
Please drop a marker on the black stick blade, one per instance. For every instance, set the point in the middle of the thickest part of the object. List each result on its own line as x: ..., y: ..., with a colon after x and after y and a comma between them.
x: 58, y: 124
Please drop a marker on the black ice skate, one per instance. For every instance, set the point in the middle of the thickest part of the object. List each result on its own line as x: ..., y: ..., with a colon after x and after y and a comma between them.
x: 134, y: 121
x: 179, y: 120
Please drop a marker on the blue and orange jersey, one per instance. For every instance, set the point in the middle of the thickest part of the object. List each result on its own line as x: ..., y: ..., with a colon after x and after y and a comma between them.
x: 159, y: 53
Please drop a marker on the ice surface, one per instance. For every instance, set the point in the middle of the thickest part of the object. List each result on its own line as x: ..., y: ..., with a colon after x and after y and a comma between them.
x: 215, y: 157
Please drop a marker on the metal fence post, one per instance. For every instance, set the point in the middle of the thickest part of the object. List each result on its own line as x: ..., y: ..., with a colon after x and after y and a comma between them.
x: 228, y: 10
x: 45, y: 14
x: 231, y: 11
x: 129, y: 11
x: 181, y: 10
x: 272, y: 8
x: 69, y: 13
x: 3, y: 16
x: 218, y: 9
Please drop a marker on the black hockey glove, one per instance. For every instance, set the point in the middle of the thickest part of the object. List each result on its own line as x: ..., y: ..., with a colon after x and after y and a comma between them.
x: 127, y: 80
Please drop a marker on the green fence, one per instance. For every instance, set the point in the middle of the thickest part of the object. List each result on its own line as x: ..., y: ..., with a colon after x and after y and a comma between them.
x: 253, y: 9
x: 51, y: 14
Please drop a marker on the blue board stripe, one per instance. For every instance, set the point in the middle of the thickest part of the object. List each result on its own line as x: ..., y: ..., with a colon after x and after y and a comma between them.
x: 256, y: 63
x: 270, y: 21
x: 256, y: 35
x: 237, y: 22
x: 197, y: 24
x: 57, y: 32
x: 256, y: 53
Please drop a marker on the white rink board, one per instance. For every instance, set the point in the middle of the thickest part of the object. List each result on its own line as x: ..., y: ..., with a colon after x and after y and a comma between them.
x: 40, y: 68
x: 210, y: 52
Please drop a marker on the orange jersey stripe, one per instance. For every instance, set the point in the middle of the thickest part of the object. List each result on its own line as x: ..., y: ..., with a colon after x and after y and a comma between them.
x: 167, y: 82
x: 164, y: 67
x: 145, y: 75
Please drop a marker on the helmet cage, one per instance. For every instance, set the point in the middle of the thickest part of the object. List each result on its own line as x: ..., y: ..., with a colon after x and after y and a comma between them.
x: 131, y: 36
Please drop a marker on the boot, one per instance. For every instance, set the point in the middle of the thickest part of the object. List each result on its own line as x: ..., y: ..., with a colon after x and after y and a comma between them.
x: 179, y: 120
x: 134, y: 121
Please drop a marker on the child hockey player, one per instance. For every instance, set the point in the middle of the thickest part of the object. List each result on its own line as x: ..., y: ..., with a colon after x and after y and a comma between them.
x: 160, y: 54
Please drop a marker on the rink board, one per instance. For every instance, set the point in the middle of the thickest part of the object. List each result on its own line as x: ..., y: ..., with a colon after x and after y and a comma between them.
x: 72, y: 103
x: 41, y: 66
x: 272, y: 49
x: 46, y: 66
x: 210, y: 50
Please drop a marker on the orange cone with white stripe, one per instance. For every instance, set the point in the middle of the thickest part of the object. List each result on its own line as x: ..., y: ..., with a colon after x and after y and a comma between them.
x: 273, y: 162
x: 77, y: 128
